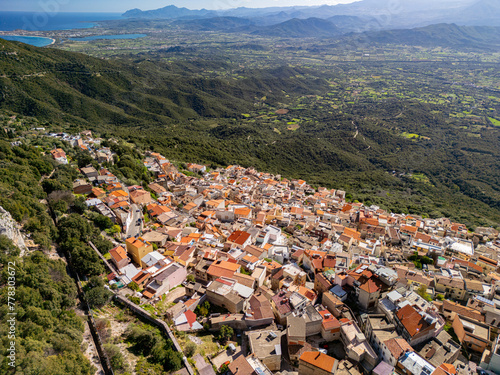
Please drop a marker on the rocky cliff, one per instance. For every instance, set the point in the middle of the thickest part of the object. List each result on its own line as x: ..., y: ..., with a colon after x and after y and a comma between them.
x: 10, y: 228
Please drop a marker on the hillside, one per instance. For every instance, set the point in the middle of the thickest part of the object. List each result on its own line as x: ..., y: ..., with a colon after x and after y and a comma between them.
x: 444, y: 35
x: 367, y: 131
x: 351, y: 23
x: 298, y: 28
x: 215, y: 24
x: 484, y: 12
x: 54, y: 84
x: 294, y: 28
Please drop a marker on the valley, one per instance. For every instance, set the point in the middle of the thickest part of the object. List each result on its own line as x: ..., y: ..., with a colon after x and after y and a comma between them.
x: 202, y: 91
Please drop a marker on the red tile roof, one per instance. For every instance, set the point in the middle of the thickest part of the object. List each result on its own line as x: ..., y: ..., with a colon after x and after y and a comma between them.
x: 240, y: 366
x: 412, y: 320
x: 222, y: 268
x: 282, y: 302
x: 118, y: 253
x: 319, y: 360
x: 329, y: 321
x: 370, y: 286
x: 238, y: 237
x: 397, y: 346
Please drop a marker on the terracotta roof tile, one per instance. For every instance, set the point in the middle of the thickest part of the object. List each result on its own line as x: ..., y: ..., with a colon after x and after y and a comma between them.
x: 397, y: 346
x: 412, y: 320
x: 319, y: 360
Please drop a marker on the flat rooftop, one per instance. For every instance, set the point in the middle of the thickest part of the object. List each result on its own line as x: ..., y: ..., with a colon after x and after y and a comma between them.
x: 265, y: 343
x: 476, y: 329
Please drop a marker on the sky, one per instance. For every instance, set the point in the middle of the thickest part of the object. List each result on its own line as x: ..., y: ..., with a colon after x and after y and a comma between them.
x: 124, y: 5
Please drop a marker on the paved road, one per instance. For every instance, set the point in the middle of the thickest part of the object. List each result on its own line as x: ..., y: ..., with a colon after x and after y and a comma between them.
x: 135, y: 228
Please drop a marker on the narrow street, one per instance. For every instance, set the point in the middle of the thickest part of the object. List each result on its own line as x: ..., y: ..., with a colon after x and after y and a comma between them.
x: 136, y: 224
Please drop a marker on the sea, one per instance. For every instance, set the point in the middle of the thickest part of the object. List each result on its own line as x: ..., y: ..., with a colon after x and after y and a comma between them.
x: 43, y: 21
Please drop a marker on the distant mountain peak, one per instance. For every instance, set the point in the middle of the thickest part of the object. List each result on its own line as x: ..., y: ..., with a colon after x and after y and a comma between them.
x: 169, y: 11
x: 410, y: 13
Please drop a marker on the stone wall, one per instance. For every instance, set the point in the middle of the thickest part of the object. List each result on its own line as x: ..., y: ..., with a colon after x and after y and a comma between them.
x: 164, y: 328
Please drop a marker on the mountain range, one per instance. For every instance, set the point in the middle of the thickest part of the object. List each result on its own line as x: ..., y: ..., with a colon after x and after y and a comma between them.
x: 386, y: 14
x: 346, y: 30
x: 486, y: 38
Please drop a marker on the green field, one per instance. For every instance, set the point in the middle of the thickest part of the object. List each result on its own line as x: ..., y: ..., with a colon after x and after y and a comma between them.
x: 494, y: 121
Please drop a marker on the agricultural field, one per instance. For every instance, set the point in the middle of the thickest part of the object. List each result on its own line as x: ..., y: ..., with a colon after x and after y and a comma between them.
x: 360, y: 117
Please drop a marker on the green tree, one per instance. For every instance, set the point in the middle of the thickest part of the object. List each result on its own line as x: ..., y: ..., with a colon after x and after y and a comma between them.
x: 173, y: 360
x: 203, y: 309
x: 83, y: 158
x: 60, y: 206
x: 225, y: 334
x: 7, y: 249
x: 115, y: 357
x: 101, y: 221
x: 76, y: 227
x: 190, y: 349
x: 51, y: 184
x: 96, y: 281
x: 86, y: 261
x: 98, y: 296
x: 133, y: 285
x: 114, y: 229
x: 224, y: 368
x: 422, y: 291
x: 79, y: 205
x: 102, y: 244
x: 426, y: 260
x: 144, y: 340
x: 46, y: 321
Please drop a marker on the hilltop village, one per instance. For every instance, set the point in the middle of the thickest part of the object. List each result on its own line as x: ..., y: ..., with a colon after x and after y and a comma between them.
x: 301, y: 280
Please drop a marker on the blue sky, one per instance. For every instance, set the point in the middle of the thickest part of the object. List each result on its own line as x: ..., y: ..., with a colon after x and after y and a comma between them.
x: 123, y: 5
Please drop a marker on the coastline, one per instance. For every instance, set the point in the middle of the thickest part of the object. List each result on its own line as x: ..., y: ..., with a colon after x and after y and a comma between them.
x: 53, y: 40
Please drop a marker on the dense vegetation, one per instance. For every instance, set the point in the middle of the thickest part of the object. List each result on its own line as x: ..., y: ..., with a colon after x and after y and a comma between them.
x: 75, y: 232
x: 412, y: 137
x: 48, y: 332
x: 148, y: 342
x: 21, y: 168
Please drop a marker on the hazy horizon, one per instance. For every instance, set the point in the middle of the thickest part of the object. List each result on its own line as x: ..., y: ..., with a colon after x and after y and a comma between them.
x: 120, y: 6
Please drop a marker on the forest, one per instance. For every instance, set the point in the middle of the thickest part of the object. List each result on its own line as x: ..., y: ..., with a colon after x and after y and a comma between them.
x: 408, y: 127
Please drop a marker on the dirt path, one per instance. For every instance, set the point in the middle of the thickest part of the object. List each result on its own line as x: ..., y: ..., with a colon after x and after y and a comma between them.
x: 88, y: 347
x: 91, y: 351
x: 47, y: 177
